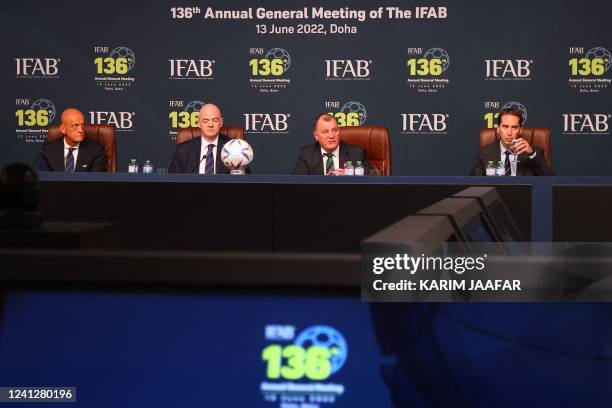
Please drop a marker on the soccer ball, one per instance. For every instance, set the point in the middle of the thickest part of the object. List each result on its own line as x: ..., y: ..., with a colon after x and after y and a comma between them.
x: 518, y: 106
x: 124, y: 52
x: 440, y: 54
x: 600, y: 52
x: 355, y: 107
x: 44, y: 104
x: 193, y: 106
x: 326, y: 337
x: 282, y: 55
x: 237, y: 154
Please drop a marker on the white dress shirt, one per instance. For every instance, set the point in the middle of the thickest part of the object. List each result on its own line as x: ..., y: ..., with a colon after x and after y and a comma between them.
x: 75, y: 152
x: 336, y: 158
x: 204, y: 151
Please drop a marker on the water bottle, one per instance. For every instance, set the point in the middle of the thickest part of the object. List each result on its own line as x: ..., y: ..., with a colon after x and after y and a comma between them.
x: 500, y: 170
x: 490, y: 170
x: 359, y: 169
x: 148, y: 167
x: 133, y: 166
x: 349, y: 170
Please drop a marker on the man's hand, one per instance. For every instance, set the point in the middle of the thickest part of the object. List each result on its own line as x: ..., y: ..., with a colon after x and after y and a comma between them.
x: 337, y: 172
x: 521, y: 146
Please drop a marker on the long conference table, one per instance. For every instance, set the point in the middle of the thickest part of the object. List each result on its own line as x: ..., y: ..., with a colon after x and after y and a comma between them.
x: 164, y: 211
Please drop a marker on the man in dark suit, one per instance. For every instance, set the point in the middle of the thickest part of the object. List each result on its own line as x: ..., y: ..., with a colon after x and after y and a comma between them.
x: 202, y: 154
x: 73, y: 152
x: 328, y: 154
x: 528, y: 160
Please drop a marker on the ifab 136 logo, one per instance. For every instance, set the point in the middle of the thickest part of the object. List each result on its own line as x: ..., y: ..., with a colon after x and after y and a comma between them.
x: 33, y: 117
x: 183, y: 115
x: 493, y: 108
x: 427, y: 69
x: 589, y: 69
x: 297, y: 367
x: 351, y: 113
x: 37, y: 68
x: 113, y: 67
x: 268, y: 69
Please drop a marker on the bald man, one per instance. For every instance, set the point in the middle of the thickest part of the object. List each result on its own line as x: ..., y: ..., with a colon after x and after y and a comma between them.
x: 73, y: 152
x: 202, y: 154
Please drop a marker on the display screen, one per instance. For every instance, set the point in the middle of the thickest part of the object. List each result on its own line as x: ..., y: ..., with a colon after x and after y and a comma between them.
x: 235, y: 349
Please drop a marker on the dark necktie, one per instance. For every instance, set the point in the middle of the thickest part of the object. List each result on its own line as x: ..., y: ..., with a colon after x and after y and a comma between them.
x: 70, y: 160
x: 329, y: 164
x: 210, y: 162
x: 508, y: 169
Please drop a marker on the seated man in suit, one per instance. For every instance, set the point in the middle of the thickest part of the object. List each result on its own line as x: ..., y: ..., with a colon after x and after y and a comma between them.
x: 202, y: 154
x: 73, y: 152
x: 328, y: 154
x: 531, y: 161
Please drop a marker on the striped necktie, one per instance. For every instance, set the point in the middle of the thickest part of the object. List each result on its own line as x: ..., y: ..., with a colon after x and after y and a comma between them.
x: 507, y: 168
x: 210, y: 162
x: 70, y: 160
x: 329, y: 164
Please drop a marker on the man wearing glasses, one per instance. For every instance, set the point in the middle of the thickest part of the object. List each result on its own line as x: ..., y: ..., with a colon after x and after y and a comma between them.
x: 73, y: 152
x: 202, y: 154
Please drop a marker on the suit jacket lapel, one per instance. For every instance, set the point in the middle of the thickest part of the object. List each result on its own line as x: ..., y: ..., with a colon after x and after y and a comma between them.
x: 194, y: 156
x: 317, y: 160
x: 82, y: 157
x: 56, y: 155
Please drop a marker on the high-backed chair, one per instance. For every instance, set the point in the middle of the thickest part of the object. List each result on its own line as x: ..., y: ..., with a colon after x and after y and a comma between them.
x: 375, y: 140
x: 185, y: 134
x: 102, y: 134
x: 538, y: 137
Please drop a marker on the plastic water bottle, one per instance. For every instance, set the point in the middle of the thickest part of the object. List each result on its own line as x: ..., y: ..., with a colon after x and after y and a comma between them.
x: 349, y: 170
x: 133, y: 166
x: 500, y: 170
x: 359, y: 169
x: 148, y: 167
x: 490, y: 170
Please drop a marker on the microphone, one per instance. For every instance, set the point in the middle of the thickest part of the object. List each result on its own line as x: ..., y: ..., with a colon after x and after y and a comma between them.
x: 478, y: 163
x: 197, y: 166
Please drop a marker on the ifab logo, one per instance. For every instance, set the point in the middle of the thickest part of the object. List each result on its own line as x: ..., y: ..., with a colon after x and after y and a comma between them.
x: 505, y: 69
x: 316, y: 353
x: 586, y: 123
x: 123, y: 121
x: 490, y: 117
x: 33, y: 118
x: 426, y: 69
x: 183, y: 115
x: 269, y: 69
x: 112, y: 67
x: 39, y: 114
x: 351, y: 113
x: 35, y: 68
x: 267, y: 122
x: 337, y: 69
x: 191, y: 68
x: 424, y: 123
x: 589, y: 70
